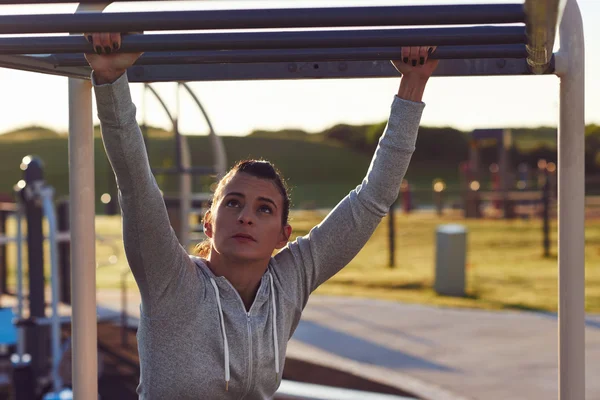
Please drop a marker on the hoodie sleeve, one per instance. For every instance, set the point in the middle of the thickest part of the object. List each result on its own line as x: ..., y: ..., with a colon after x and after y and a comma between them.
x: 310, y: 260
x: 160, y: 265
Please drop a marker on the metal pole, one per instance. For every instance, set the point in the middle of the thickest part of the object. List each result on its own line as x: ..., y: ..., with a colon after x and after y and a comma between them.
x: 84, y: 330
x: 220, y: 161
x: 20, y: 302
x: 570, y: 62
x: 455, y: 36
x: 47, y: 195
x: 37, y: 336
x: 546, y: 215
x: 317, y: 70
x: 64, y: 252
x: 180, y: 225
x: 297, y: 55
x: 475, y: 14
x: 185, y: 180
x: 3, y: 267
x: 23, y: 379
x: 83, y: 276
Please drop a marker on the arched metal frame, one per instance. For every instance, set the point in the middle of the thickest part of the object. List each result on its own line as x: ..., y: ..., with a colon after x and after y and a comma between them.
x: 525, y: 49
x: 183, y: 157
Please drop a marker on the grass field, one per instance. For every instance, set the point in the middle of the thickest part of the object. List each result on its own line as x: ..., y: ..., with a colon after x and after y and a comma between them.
x: 506, y: 269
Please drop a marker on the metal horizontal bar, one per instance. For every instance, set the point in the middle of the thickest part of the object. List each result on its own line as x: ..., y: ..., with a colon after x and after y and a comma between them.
x: 286, y: 55
x: 460, y: 36
x: 264, y: 18
x: 45, y: 64
x: 318, y: 70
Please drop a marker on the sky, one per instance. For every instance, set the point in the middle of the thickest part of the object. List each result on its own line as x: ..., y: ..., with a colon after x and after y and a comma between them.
x: 238, y: 108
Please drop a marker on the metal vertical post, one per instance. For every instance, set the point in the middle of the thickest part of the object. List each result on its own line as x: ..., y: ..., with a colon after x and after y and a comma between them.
x: 546, y: 215
x: 23, y: 378
x: 3, y: 274
x: 570, y: 62
x: 184, y: 163
x: 83, y: 276
x: 84, y: 329
x: 36, y: 336
x: 64, y: 252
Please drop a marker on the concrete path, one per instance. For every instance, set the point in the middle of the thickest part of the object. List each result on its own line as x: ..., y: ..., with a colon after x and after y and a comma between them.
x: 436, y: 353
x: 441, y: 352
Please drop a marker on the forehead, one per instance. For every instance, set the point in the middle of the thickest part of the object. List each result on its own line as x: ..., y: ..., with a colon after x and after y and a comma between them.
x: 252, y: 186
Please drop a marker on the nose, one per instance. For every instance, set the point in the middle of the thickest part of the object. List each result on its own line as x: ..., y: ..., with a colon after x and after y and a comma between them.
x: 245, y: 216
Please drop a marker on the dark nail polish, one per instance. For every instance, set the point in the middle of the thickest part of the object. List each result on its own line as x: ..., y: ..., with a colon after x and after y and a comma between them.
x: 115, y: 45
x: 98, y: 49
x: 414, y: 63
x: 107, y: 49
x: 89, y: 38
x: 430, y: 50
x: 405, y: 59
x: 422, y: 60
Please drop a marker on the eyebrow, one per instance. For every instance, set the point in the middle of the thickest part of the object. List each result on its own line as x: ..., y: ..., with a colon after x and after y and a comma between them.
x: 238, y: 194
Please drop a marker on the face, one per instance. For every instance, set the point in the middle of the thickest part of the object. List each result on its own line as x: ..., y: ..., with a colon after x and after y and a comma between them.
x: 246, y: 222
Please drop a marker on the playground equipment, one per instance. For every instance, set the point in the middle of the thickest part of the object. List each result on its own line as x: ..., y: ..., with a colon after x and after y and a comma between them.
x: 523, y: 47
x: 187, y: 203
x: 38, y: 351
x: 502, y: 179
x: 508, y: 191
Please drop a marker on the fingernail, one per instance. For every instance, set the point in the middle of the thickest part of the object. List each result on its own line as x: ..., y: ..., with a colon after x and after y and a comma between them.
x: 107, y: 49
x: 414, y: 63
x: 115, y: 45
x: 422, y: 60
x: 89, y: 38
x: 430, y: 50
x: 405, y: 59
x: 98, y: 49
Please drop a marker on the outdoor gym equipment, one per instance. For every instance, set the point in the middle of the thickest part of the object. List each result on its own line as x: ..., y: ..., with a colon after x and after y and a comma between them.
x: 521, y: 44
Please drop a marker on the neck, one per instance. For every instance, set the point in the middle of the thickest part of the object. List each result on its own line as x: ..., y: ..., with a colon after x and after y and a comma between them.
x: 244, y: 276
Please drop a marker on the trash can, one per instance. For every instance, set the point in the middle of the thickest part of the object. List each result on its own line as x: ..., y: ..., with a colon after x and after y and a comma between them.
x: 450, y: 260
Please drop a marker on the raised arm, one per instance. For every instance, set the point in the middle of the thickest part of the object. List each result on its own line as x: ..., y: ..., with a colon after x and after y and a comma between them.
x: 312, y: 259
x: 159, y: 263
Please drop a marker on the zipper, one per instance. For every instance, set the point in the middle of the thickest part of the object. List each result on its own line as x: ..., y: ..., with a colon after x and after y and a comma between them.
x: 249, y: 353
x: 249, y: 385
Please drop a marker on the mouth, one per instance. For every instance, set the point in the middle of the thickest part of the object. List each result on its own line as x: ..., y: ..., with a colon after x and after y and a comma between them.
x: 244, y: 236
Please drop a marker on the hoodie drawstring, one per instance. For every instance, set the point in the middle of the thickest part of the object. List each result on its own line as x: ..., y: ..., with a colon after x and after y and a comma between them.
x: 275, y: 344
x: 226, y: 344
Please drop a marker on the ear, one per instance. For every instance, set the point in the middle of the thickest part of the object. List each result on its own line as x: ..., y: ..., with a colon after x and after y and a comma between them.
x: 208, y: 224
x: 286, y: 233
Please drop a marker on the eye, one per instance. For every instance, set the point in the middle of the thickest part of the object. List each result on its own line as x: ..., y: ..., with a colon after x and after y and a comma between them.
x: 232, y: 203
x: 266, y: 209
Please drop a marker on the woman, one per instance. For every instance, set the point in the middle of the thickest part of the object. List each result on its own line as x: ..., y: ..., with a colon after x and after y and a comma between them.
x: 216, y: 326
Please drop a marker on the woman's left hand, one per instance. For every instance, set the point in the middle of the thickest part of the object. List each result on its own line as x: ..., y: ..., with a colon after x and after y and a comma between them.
x: 416, y: 63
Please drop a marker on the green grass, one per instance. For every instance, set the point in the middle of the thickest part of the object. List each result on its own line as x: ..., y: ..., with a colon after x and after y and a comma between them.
x: 505, y: 268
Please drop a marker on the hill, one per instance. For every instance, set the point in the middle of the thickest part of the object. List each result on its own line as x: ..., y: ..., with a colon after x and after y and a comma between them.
x: 319, y: 174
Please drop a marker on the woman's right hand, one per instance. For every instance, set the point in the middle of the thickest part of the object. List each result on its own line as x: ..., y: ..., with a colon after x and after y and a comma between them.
x: 107, y: 63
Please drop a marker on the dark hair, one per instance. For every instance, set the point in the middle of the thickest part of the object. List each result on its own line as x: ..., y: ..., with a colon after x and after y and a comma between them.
x: 260, y: 169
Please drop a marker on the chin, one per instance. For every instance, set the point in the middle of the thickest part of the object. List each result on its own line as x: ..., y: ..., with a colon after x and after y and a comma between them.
x: 243, y: 255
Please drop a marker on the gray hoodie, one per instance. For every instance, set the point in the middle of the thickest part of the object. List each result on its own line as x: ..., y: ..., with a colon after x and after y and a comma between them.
x: 195, y: 338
